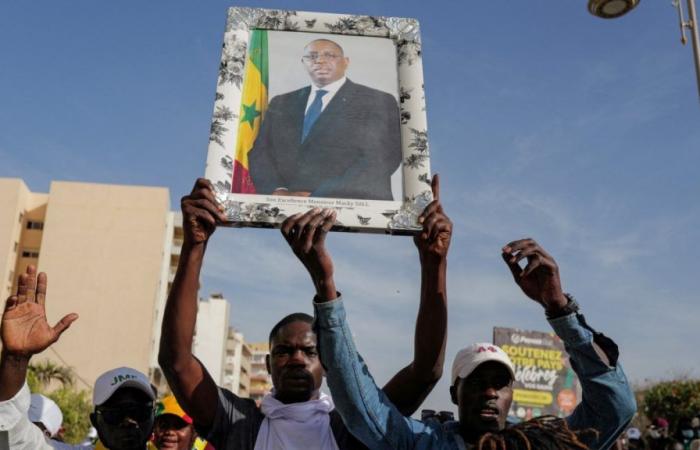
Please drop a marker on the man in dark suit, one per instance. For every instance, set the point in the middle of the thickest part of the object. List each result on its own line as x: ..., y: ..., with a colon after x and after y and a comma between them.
x: 334, y: 138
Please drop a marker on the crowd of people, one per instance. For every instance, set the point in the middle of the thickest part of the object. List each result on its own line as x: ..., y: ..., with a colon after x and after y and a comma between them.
x: 296, y: 414
x: 659, y: 435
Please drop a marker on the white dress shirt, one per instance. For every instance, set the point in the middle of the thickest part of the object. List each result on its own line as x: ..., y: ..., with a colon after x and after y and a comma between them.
x: 331, y: 90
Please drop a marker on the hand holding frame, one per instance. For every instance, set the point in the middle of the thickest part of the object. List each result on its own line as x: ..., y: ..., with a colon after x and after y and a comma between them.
x: 306, y: 235
x: 433, y: 241
x: 200, y: 213
x: 189, y: 380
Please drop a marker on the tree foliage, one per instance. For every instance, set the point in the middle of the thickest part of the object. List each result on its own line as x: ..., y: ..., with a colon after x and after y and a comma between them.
x: 673, y: 400
x: 47, y: 372
x: 74, y: 404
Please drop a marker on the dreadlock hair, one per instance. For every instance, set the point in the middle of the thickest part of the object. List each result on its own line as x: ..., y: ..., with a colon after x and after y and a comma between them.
x: 542, y: 433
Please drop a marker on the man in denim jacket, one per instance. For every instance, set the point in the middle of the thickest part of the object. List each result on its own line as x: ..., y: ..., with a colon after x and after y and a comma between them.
x: 483, y: 395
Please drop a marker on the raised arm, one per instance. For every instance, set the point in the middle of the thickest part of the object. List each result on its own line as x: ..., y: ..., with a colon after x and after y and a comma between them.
x: 192, y: 385
x: 608, y: 401
x: 412, y: 384
x: 367, y: 412
x: 306, y: 235
x: 25, y: 332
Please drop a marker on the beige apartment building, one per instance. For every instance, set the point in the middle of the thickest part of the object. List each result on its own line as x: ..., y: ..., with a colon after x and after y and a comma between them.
x: 109, y: 252
x: 260, y: 381
x: 237, y: 368
x: 220, y: 347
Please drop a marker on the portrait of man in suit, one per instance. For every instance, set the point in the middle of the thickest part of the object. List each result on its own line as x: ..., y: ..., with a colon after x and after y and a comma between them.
x: 332, y: 138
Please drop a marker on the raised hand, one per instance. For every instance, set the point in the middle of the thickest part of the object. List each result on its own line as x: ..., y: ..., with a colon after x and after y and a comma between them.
x: 200, y: 212
x: 306, y: 235
x: 25, y: 331
x: 539, y: 280
x: 434, y: 240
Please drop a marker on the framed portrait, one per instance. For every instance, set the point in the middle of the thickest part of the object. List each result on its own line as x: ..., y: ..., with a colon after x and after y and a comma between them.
x: 320, y: 110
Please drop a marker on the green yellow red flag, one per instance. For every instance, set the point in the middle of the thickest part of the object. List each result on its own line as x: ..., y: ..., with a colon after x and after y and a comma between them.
x: 253, y: 106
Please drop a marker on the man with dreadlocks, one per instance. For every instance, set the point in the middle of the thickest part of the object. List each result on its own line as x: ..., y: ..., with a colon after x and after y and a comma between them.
x: 541, y: 433
x: 482, y: 375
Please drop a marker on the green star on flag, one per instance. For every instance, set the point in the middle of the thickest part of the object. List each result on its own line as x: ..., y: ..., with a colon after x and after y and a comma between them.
x: 250, y: 113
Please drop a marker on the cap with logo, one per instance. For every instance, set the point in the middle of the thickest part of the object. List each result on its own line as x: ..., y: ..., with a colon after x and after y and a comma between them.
x: 469, y: 358
x: 169, y: 405
x: 43, y: 410
x: 111, y: 381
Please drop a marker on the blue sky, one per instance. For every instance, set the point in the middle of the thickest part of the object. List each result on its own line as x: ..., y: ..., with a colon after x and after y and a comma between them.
x: 544, y: 121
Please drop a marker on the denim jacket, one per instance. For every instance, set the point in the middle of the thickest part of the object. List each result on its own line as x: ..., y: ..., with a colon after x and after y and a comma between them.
x: 608, y: 402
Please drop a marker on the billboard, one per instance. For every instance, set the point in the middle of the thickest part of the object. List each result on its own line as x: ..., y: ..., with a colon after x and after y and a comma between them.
x: 545, y: 383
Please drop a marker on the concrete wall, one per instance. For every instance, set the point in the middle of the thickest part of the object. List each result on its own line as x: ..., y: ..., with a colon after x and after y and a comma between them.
x: 103, y: 251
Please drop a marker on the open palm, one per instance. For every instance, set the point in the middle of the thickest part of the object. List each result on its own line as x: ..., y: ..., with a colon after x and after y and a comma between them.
x: 25, y: 330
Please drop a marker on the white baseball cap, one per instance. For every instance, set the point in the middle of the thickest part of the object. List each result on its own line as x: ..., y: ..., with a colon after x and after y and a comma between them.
x: 634, y: 433
x: 469, y: 358
x: 109, y: 382
x: 45, y: 411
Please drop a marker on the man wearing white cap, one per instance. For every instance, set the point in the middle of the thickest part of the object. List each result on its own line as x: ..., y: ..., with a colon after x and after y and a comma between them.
x: 476, y: 369
x: 123, y: 397
x: 45, y: 414
x: 482, y: 374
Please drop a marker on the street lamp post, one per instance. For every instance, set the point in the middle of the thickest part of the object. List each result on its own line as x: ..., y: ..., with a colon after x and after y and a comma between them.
x: 693, y: 26
x: 610, y: 9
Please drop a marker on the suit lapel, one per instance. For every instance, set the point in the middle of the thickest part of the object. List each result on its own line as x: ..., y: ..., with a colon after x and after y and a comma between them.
x: 298, y: 110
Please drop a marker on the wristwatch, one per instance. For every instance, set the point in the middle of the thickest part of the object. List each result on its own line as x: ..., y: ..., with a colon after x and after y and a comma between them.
x: 571, y: 307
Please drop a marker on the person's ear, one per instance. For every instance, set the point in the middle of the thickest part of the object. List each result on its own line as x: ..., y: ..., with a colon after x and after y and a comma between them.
x: 453, y: 394
x: 267, y: 363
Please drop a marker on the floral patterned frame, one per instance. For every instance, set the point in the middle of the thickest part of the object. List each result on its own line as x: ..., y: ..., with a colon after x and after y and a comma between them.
x: 392, y: 217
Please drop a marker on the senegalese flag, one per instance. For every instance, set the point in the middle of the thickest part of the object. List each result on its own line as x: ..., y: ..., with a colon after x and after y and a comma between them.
x: 253, y: 106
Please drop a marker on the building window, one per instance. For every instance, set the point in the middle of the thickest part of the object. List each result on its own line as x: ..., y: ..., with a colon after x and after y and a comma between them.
x: 15, y: 247
x: 21, y: 216
x: 30, y: 253
x: 32, y: 225
x: 12, y: 274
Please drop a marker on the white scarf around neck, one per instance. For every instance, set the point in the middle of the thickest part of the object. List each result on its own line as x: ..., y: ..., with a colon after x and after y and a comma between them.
x: 296, y: 426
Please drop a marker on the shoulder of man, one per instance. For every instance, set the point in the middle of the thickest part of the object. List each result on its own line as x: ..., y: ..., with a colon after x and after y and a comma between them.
x: 361, y: 89
x: 231, y: 401
x: 292, y: 95
x: 236, y: 422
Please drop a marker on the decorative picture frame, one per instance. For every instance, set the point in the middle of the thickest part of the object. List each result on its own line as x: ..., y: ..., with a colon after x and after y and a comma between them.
x: 226, y: 167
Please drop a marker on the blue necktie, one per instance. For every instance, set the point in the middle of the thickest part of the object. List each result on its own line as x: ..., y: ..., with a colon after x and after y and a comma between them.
x: 313, y: 113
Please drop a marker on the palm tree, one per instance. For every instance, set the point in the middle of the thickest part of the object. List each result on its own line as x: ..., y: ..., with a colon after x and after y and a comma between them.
x: 46, y: 372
